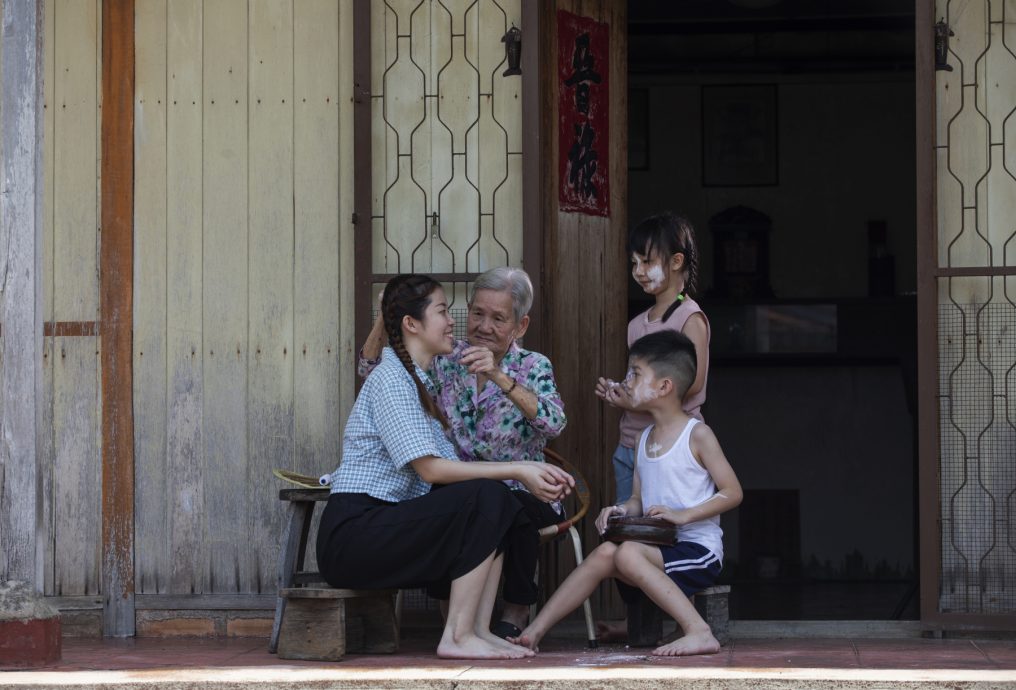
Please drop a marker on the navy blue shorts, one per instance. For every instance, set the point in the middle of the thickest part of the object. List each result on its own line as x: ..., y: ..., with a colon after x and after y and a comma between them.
x: 691, y: 566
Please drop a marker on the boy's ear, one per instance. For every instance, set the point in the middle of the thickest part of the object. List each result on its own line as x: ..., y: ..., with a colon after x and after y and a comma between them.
x: 666, y: 386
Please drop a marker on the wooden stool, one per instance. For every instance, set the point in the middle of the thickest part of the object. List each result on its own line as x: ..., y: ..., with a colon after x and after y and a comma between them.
x: 645, y: 619
x: 323, y: 624
x: 319, y: 622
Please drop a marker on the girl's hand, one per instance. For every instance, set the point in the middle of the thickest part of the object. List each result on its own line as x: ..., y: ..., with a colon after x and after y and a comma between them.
x: 613, y: 393
x: 605, y: 515
x: 602, y: 386
x: 479, y: 360
x: 674, y: 517
x: 545, y: 481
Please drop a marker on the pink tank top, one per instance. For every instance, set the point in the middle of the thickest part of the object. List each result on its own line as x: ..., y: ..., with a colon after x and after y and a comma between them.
x: 633, y: 423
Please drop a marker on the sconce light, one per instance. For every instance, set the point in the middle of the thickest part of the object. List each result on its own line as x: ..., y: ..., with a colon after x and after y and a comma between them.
x: 512, y: 50
x: 942, y: 34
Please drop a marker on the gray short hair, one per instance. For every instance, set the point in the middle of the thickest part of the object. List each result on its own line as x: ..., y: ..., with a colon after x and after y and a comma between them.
x: 507, y: 279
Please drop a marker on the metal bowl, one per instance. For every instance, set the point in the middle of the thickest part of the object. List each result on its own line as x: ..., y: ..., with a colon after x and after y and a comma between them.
x: 647, y: 530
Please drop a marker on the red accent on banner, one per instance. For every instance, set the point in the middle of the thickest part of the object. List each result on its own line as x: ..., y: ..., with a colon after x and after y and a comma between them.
x: 583, y: 48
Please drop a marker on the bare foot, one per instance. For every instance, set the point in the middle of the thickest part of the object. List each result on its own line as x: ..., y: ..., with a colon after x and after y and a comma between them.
x: 695, y: 643
x: 473, y: 647
x: 611, y: 631
x: 500, y: 642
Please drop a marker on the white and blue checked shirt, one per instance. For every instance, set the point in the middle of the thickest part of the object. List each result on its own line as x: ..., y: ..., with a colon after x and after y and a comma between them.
x: 387, y: 429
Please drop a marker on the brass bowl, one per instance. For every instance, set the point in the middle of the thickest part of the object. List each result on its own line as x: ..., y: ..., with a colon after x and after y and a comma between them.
x: 647, y: 530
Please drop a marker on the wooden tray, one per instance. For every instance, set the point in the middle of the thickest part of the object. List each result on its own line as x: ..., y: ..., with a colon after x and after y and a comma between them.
x: 644, y: 529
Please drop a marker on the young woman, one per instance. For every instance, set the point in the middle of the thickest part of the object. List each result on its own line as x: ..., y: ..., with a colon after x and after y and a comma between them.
x: 383, y: 527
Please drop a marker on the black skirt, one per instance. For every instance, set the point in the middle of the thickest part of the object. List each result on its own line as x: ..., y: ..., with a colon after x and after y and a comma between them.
x: 366, y: 543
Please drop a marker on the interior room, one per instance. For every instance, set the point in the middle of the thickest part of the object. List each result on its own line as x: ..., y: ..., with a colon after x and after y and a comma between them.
x: 784, y: 131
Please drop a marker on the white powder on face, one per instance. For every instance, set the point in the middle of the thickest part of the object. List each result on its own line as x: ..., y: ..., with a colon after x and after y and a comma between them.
x: 643, y: 393
x: 654, y: 277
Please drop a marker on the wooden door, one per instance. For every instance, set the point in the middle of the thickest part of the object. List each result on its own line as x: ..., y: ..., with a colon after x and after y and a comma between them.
x: 243, y: 257
x: 967, y: 256
x: 445, y: 172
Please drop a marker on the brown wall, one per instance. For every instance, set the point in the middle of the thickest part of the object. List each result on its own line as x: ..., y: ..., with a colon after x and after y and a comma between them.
x: 585, y: 276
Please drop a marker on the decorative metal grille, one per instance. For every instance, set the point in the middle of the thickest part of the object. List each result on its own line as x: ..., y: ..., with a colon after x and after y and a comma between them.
x: 976, y: 190
x: 447, y: 140
x: 977, y: 387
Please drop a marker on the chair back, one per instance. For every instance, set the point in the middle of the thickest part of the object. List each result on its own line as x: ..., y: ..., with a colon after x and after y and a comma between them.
x: 581, y: 493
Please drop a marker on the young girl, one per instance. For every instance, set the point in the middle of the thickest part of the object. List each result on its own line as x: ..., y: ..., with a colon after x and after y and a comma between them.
x: 664, y: 260
x: 383, y: 527
x: 665, y: 264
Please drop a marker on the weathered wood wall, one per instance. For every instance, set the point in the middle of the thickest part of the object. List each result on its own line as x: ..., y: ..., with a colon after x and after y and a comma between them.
x: 586, y: 281
x: 70, y: 460
x: 22, y: 544
x: 243, y: 277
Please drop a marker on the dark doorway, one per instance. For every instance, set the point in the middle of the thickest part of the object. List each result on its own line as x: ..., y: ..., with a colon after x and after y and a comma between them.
x: 784, y: 130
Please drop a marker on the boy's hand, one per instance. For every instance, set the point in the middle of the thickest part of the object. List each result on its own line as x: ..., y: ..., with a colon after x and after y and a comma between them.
x: 605, y: 515
x: 674, y: 517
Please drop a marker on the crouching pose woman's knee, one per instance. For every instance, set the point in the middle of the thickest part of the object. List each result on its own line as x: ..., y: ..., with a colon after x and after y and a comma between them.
x: 682, y: 476
x: 383, y: 527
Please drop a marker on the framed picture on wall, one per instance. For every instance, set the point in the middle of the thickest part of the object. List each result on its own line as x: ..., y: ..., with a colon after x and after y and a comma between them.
x: 739, y: 136
x: 638, y: 129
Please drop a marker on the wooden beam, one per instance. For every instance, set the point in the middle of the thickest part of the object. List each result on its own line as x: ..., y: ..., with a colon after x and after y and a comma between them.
x: 21, y: 223
x: 532, y: 170
x: 929, y: 553
x: 116, y: 277
x: 363, y: 300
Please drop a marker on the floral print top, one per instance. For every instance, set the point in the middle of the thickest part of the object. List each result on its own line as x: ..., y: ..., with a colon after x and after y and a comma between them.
x: 486, y: 425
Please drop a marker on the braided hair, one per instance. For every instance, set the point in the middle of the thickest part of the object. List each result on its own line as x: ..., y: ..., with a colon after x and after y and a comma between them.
x: 409, y: 295
x: 668, y: 234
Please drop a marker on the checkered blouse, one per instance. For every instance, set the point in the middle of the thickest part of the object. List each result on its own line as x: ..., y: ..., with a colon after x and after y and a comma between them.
x: 387, y: 429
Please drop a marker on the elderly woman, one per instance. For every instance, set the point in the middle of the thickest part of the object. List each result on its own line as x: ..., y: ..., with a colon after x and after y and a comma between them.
x: 502, y: 405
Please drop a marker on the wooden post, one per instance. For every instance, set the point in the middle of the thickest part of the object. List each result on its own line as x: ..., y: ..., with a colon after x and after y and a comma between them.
x: 585, y: 268
x: 116, y: 277
x: 21, y: 196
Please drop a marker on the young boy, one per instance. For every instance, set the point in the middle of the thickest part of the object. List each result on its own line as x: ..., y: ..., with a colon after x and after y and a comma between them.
x: 682, y: 476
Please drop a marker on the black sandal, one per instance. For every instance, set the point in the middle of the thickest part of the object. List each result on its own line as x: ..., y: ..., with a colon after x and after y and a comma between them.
x: 504, y: 630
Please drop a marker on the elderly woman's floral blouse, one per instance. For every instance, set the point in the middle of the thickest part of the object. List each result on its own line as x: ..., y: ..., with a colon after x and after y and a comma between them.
x: 486, y: 425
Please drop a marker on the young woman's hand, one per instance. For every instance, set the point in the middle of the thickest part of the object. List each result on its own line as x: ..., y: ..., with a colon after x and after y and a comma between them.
x: 545, y: 481
x: 674, y: 517
x: 605, y: 515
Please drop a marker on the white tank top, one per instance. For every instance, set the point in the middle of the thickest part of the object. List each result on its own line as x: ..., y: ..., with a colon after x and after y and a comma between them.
x: 677, y: 480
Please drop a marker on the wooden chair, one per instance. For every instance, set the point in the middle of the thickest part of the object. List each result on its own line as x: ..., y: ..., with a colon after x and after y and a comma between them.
x: 551, y: 533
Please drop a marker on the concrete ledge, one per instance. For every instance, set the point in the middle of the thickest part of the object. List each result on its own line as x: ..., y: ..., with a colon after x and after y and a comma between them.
x: 29, y: 628
x: 536, y: 678
x: 757, y: 630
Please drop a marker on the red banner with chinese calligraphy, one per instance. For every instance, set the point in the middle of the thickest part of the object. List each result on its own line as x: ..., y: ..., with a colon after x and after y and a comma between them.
x: 583, y: 114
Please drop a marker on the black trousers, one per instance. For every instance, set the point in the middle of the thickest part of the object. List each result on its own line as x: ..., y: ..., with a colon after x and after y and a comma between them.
x: 365, y: 543
x: 521, y: 554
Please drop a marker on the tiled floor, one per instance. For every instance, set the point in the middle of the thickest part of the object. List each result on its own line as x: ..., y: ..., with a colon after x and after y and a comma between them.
x: 557, y: 652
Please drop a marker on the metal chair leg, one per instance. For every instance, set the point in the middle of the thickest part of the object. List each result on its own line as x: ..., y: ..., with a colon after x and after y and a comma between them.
x: 587, y: 609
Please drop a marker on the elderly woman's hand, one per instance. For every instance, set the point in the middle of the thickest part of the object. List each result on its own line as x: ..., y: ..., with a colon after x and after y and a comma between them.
x: 545, y: 481
x: 479, y: 360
